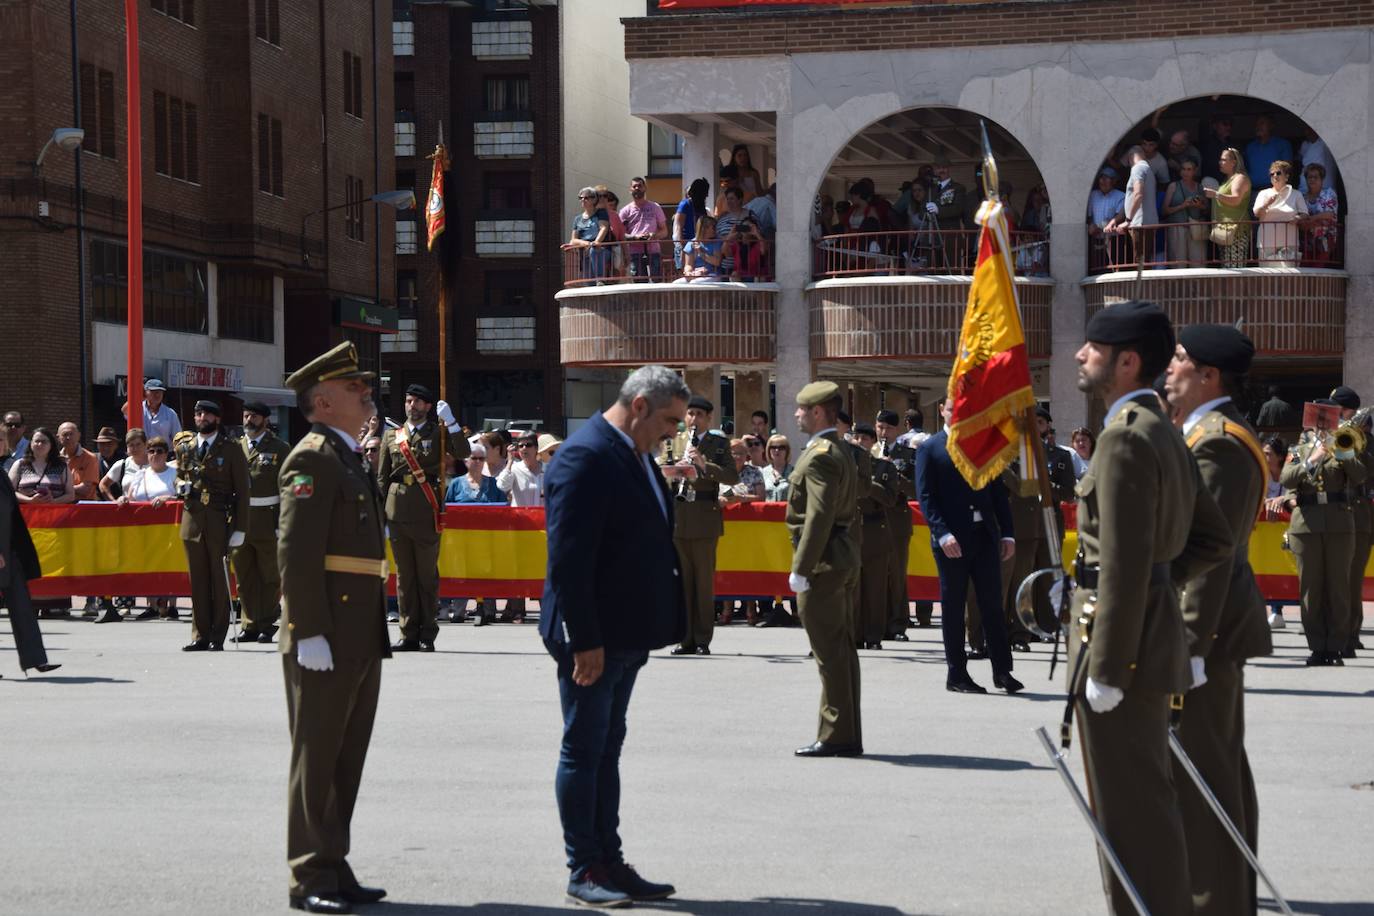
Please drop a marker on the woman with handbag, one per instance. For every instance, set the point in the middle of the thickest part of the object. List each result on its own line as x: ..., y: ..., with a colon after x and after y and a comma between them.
x: 1185, y: 210
x: 1230, y: 210
x: 1278, y: 208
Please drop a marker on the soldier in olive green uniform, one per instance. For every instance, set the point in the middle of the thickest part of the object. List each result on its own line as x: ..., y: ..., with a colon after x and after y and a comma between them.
x: 699, y: 524
x: 332, y: 557
x: 1145, y: 524
x: 899, y: 528
x: 411, y: 477
x: 1363, y: 514
x: 212, y: 483
x: 821, y: 508
x: 877, y: 494
x: 1322, y: 536
x: 255, y: 562
x: 1224, y: 614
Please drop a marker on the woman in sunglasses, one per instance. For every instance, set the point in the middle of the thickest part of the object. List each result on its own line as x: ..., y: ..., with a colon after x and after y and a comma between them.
x: 1278, y: 208
x: 157, y: 483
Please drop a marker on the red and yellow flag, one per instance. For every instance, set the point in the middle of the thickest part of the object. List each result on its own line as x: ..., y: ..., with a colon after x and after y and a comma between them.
x: 434, y: 206
x: 990, y: 384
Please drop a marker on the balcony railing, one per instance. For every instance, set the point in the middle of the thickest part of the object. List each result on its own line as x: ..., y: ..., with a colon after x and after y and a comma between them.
x: 1310, y: 242
x: 653, y: 262
x: 921, y: 252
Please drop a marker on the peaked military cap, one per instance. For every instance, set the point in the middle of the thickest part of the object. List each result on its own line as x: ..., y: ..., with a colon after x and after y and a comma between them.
x: 1346, y: 397
x: 1221, y: 345
x: 341, y: 362
x: 700, y: 403
x: 208, y: 407
x: 817, y: 393
x: 1128, y: 322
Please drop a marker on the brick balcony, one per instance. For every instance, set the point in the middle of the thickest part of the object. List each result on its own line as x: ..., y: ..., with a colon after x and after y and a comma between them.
x: 678, y: 324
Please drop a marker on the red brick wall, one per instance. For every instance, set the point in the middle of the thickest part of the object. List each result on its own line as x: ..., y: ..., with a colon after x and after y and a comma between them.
x: 966, y: 22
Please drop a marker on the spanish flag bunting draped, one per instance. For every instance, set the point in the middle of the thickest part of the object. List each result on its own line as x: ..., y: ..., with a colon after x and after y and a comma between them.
x: 990, y: 385
x: 434, y: 206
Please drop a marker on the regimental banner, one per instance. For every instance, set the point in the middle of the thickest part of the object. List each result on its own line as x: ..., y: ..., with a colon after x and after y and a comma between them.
x: 495, y: 552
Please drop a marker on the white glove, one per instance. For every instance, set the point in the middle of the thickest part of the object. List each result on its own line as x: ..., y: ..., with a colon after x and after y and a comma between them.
x: 314, y: 654
x: 445, y: 413
x: 236, y: 540
x: 1057, y: 591
x: 1199, y: 671
x: 1103, y: 698
x: 930, y: 206
x: 797, y: 583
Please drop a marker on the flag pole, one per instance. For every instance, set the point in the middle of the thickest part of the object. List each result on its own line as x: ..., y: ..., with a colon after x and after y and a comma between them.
x: 436, y: 221
x: 134, y: 267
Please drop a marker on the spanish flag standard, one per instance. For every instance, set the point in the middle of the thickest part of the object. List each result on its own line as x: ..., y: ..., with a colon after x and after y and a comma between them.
x: 990, y: 385
x: 434, y: 205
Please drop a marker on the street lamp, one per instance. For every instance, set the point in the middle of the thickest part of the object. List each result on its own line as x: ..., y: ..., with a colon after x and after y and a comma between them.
x: 67, y: 139
x: 399, y: 200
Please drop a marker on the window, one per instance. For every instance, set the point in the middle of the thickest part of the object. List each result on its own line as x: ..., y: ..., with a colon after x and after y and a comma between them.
x: 405, y: 138
x: 369, y: 347
x: 176, y: 138
x: 180, y: 10
x: 270, y: 156
x: 406, y: 236
x: 98, y: 111
x: 246, y: 304
x: 407, y: 293
x: 509, y: 294
x: 506, y: 191
x: 267, y: 16
x: 174, y: 295
x: 353, y: 84
x: 353, y: 212
x: 508, y: 95
x: 665, y: 152
x: 402, y: 38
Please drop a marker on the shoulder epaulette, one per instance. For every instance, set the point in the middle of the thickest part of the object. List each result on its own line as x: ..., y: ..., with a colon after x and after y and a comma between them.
x: 185, y: 435
x: 313, y: 441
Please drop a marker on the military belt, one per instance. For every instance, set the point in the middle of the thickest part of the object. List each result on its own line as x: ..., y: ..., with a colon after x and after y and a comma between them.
x: 258, y: 502
x: 1315, y: 499
x: 358, y: 566
x: 1087, y: 574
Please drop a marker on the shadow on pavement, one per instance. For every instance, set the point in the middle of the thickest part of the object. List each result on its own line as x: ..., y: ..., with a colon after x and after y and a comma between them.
x: 764, y: 906
x: 1332, y: 908
x: 953, y: 762
x: 65, y: 679
x: 1292, y: 692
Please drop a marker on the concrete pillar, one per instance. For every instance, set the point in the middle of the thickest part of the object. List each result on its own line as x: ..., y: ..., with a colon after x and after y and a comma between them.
x: 1357, y: 370
x: 1068, y: 264
x: 751, y: 394
x: 865, y: 402
x: 794, y: 272
x: 705, y: 381
x: 701, y: 157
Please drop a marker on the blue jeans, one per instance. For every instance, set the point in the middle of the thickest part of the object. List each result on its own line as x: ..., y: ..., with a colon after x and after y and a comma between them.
x: 587, y: 784
x: 645, y: 265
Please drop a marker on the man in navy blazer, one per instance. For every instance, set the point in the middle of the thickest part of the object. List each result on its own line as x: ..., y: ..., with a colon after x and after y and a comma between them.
x: 612, y: 593
x: 970, y: 535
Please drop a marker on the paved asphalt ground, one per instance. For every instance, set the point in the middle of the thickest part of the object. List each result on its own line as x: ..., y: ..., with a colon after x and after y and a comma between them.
x: 141, y: 780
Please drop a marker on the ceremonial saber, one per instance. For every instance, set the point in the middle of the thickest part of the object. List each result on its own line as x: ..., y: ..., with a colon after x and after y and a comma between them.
x: 1182, y: 757
x: 229, y: 593
x: 1102, y: 843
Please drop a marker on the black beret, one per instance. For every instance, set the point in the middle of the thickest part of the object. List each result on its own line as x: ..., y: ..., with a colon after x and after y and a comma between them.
x: 1346, y: 397
x: 1221, y: 345
x: 844, y: 417
x: 1131, y: 322
x: 865, y: 429
x: 421, y: 392
x: 1043, y: 413
x: 257, y: 407
x: 208, y: 407
x: 887, y: 416
x: 700, y: 403
x: 1326, y: 402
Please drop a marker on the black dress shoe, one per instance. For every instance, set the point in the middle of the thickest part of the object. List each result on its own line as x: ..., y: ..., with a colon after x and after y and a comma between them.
x: 900, y: 637
x: 43, y: 669
x: 964, y: 684
x: 977, y: 655
x: 1345, y: 653
x: 266, y: 636
x: 245, y: 636
x: 216, y: 647
x: 426, y: 646
x: 703, y: 650
x: 1007, y: 682
x: 109, y: 615
x: 821, y: 749
x: 1318, y: 660
x: 148, y: 614
x: 1020, y: 645
x: 406, y: 645
x: 321, y: 903
x: 684, y: 650
x: 200, y: 645
x: 360, y: 894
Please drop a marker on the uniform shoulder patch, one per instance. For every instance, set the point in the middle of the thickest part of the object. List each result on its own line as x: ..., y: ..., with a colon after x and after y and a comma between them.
x: 183, y: 437
x: 313, y: 440
x: 302, y: 486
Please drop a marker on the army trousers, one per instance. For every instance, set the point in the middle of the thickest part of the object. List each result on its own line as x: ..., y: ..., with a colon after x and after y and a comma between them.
x: 898, y: 599
x: 829, y: 624
x: 1363, y: 542
x: 415, y: 548
x: 1324, y: 586
x: 259, y: 583
x: 209, y: 583
x: 330, y: 714
x: 874, y: 609
x: 1212, y: 731
x: 697, y: 557
x: 1131, y: 789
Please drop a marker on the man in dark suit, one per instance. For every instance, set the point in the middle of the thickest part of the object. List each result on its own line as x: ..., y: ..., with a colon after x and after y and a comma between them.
x: 970, y: 535
x: 612, y: 593
x: 19, y: 564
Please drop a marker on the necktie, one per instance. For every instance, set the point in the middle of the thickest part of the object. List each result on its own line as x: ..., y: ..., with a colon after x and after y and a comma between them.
x: 204, y: 447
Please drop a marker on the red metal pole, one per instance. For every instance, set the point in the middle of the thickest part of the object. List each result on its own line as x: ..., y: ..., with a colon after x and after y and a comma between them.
x: 135, y: 265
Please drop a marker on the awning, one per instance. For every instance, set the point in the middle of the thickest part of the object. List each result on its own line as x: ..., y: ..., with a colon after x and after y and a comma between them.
x: 272, y: 397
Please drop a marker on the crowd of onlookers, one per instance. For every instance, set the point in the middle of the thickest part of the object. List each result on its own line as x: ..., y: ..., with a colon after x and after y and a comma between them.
x: 1225, y: 201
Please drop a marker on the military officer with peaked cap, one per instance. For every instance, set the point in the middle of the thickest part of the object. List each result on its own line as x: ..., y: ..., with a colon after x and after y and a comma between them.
x: 212, y: 483
x: 1224, y: 614
x: 255, y: 561
x: 1363, y: 514
x: 333, y: 568
x: 822, y: 504
x: 411, y: 477
x: 1146, y: 524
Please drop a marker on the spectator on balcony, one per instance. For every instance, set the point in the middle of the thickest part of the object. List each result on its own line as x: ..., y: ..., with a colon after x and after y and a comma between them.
x: 611, y: 204
x: 951, y: 201
x: 777, y: 469
x: 1084, y: 443
x: 748, y: 249
x: 1313, y: 151
x: 1276, y: 413
x: 746, y: 177
x: 589, y: 231
x: 1180, y: 150
x: 1032, y: 247
x: 702, y: 258
x: 645, y: 227
x: 728, y: 214
x: 1104, y: 203
x: 1321, y: 220
x: 1264, y: 151
x: 724, y: 183
x: 1279, y: 208
x: 1138, y: 211
x: 765, y: 210
x: 921, y: 222
x: 41, y: 474
x: 1217, y: 141
x: 1231, y: 210
x: 690, y: 210
x: 823, y: 217
x: 1148, y: 144
x: 1185, y: 211
x: 123, y: 472
x: 83, y: 465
